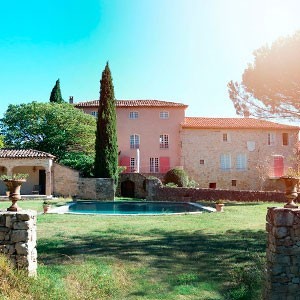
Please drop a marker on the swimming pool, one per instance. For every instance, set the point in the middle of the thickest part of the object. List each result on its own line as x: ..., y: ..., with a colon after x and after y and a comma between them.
x: 131, y: 208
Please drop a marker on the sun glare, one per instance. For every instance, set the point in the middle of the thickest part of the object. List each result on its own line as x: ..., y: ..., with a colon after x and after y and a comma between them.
x: 280, y: 19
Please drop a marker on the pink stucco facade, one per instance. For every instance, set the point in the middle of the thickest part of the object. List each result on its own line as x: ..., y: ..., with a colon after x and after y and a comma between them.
x: 148, y: 134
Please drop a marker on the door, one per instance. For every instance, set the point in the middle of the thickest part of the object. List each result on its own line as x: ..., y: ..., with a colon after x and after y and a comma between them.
x: 42, y: 182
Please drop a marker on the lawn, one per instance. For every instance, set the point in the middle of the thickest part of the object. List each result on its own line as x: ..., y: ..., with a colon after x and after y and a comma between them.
x: 205, y: 256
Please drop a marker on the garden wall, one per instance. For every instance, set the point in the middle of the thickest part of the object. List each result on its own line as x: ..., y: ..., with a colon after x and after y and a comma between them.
x: 96, y: 189
x: 156, y: 191
x: 283, y: 254
x: 65, y: 181
x: 18, y: 239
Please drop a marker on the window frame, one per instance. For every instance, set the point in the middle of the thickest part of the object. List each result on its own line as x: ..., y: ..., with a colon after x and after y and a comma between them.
x: 164, y: 115
x: 132, y: 164
x: 164, y: 141
x: 133, y: 115
x: 241, y: 162
x: 134, y: 141
x: 271, y: 141
x: 154, y: 165
x: 225, y: 162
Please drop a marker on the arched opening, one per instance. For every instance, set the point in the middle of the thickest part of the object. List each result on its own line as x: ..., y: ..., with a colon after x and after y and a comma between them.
x: 127, y: 188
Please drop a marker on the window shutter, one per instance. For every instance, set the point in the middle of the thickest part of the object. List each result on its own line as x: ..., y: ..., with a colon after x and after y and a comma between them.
x: 164, y: 163
x: 125, y: 162
x: 278, y: 166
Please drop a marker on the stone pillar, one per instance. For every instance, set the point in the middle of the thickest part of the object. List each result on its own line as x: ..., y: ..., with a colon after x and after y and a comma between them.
x: 283, y: 254
x: 18, y: 239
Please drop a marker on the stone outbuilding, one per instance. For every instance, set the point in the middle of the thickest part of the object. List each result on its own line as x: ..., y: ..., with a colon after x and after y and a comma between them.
x: 37, y: 164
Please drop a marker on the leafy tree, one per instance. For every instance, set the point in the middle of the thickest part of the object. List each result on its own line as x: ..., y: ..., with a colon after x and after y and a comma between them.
x: 270, y: 85
x: 106, y: 158
x: 55, y: 95
x: 80, y: 161
x: 2, y: 145
x: 50, y: 127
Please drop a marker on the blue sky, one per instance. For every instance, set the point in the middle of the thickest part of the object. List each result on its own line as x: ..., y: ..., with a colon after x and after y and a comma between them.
x: 174, y: 50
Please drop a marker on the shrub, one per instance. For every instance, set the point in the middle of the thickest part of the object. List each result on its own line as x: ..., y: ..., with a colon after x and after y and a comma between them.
x: 177, y: 176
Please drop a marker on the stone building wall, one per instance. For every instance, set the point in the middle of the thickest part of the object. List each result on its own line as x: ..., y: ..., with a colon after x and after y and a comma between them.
x: 202, y: 149
x: 157, y: 192
x: 283, y: 254
x: 18, y: 239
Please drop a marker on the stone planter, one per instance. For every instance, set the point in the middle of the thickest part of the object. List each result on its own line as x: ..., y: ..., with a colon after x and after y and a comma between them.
x: 291, y: 191
x: 14, y: 186
x: 219, y: 207
x: 46, y: 208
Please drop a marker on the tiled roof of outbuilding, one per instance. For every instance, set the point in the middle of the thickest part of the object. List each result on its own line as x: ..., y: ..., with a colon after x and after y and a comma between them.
x: 133, y: 103
x: 234, y: 123
x: 24, y: 153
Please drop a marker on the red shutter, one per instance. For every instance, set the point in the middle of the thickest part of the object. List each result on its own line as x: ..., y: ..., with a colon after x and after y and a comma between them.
x: 164, y: 164
x: 278, y: 166
x: 125, y: 161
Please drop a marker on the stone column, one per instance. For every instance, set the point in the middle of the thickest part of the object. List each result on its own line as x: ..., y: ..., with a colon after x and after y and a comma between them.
x: 283, y: 254
x: 49, y: 179
x: 18, y: 239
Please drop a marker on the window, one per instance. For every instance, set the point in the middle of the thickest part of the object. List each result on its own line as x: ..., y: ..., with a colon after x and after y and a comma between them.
x: 94, y: 114
x: 164, y: 141
x: 225, y: 137
x: 225, y: 161
x: 212, y: 185
x: 285, y: 139
x: 133, y: 115
x: 201, y: 161
x: 233, y: 182
x: 154, y: 165
x: 132, y: 164
x: 134, y: 141
x: 271, y: 139
x: 164, y: 115
x: 241, y: 161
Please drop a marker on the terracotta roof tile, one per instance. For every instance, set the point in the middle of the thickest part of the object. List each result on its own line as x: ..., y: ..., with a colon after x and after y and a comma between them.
x: 238, y: 123
x: 133, y: 103
x: 24, y: 153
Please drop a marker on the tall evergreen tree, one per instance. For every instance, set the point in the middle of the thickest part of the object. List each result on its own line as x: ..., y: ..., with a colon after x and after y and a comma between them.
x: 106, y: 158
x: 56, y: 93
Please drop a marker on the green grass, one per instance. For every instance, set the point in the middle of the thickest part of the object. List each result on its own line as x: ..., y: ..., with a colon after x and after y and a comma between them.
x: 202, y: 256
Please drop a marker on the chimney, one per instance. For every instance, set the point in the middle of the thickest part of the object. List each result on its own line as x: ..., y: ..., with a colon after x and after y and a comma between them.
x: 71, y: 99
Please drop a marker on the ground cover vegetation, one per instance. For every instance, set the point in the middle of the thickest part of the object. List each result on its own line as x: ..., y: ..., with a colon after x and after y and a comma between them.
x: 106, y: 158
x: 270, y: 86
x: 206, y: 256
x: 56, y: 128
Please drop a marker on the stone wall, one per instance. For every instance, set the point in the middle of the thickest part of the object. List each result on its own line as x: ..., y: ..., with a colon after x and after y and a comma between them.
x: 96, y: 189
x: 202, y: 150
x: 18, y: 239
x: 283, y: 254
x: 65, y: 181
x: 156, y: 191
x: 139, y: 184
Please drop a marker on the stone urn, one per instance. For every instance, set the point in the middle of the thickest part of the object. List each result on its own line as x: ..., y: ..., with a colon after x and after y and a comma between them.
x: 219, y: 206
x: 291, y: 190
x: 14, y: 186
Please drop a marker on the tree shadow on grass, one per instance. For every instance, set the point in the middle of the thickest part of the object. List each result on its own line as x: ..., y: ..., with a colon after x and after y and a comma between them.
x: 210, y: 256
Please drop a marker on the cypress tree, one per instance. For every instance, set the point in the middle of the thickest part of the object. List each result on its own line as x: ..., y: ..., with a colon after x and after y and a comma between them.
x: 106, y: 158
x: 56, y: 93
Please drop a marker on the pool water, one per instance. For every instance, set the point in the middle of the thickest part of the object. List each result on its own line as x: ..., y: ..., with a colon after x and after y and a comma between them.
x: 133, y: 208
